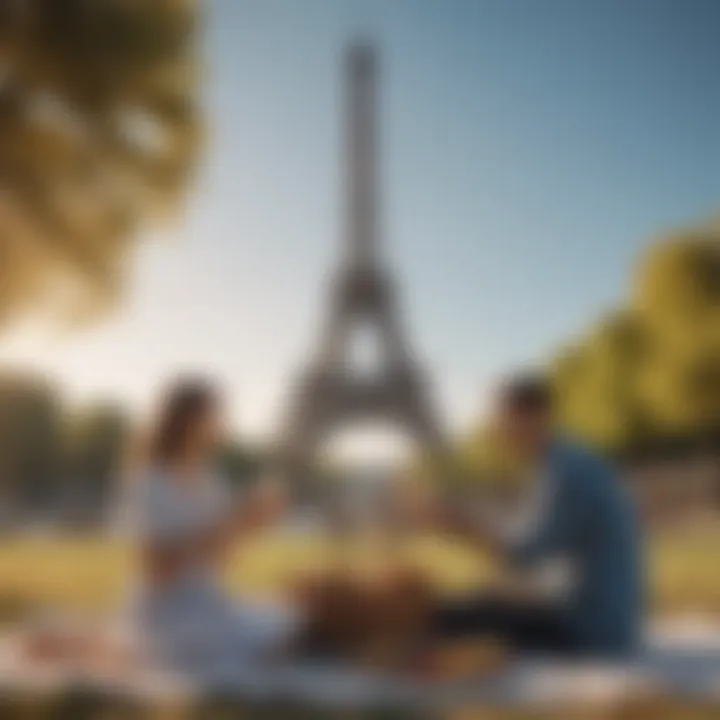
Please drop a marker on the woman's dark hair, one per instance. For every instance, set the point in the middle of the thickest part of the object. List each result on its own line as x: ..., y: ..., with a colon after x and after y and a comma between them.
x: 183, y: 403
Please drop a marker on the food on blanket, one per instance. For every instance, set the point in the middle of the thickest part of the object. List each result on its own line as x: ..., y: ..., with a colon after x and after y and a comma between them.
x: 100, y: 648
x: 464, y: 659
x: 371, y: 619
x: 49, y: 645
x: 337, y: 609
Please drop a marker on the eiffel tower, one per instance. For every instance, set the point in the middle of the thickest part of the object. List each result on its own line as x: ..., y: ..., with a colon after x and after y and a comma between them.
x: 328, y: 395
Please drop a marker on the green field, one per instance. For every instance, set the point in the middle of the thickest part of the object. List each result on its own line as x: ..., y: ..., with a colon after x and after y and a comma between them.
x: 87, y: 574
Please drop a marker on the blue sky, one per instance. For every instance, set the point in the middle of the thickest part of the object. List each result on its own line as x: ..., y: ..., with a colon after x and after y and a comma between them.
x: 530, y: 149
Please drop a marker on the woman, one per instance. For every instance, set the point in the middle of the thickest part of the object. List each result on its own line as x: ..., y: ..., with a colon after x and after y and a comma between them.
x: 184, y: 521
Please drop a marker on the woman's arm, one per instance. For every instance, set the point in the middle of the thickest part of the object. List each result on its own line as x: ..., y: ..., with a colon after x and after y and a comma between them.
x: 261, y: 509
x: 164, y: 560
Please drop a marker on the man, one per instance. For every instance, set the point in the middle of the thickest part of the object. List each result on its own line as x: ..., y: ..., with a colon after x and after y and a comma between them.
x: 584, y: 520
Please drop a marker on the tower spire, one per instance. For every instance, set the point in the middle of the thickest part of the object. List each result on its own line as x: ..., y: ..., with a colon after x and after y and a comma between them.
x: 361, y: 212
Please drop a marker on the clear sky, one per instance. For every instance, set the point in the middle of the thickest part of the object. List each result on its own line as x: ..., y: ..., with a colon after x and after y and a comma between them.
x: 531, y: 148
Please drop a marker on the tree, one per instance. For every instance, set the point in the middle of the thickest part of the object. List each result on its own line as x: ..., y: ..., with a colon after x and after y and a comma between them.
x: 240, y: 463
x: 596, y: 382
x: 99, y: 131
x: 677, y: 297
x: 96, y: 439
x: 30, y: 441
x: 676, y: 289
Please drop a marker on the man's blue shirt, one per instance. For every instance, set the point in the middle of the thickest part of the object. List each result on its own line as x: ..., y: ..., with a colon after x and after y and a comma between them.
x: 590, y: 521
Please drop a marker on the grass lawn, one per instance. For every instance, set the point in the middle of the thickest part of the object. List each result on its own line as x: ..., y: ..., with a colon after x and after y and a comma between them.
x: 82, y: 573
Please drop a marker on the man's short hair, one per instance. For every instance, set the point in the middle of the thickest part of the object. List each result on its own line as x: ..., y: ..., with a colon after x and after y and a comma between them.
x: 528, y: 393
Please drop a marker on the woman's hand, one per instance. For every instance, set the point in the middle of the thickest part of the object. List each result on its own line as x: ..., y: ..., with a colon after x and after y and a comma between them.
x: 417, y: 506
x: 266, y: 505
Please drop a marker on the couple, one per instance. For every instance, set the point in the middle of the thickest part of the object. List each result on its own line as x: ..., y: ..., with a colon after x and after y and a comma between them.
x: 184, y: 521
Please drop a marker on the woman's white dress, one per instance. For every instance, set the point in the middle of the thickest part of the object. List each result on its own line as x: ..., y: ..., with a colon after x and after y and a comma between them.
x: 191, y: 623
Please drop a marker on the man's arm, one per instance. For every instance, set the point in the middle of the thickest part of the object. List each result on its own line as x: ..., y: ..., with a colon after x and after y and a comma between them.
x: 561, y: 513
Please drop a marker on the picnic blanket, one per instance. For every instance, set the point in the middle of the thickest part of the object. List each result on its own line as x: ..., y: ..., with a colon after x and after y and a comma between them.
x: 683, y: 662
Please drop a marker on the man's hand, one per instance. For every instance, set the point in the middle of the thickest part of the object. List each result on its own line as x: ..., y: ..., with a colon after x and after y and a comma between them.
x: 470, y: 523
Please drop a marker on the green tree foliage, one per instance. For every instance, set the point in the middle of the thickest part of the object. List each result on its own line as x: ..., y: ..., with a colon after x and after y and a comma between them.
x: 30, y: 440
x: 95, y: 442
x: 480, y: 456
x: 677, y: 297
x: 648, y: 373
x: 240, y: 463
x: 653, y: 369
x: 99, y: 131
x: 596, y: 382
